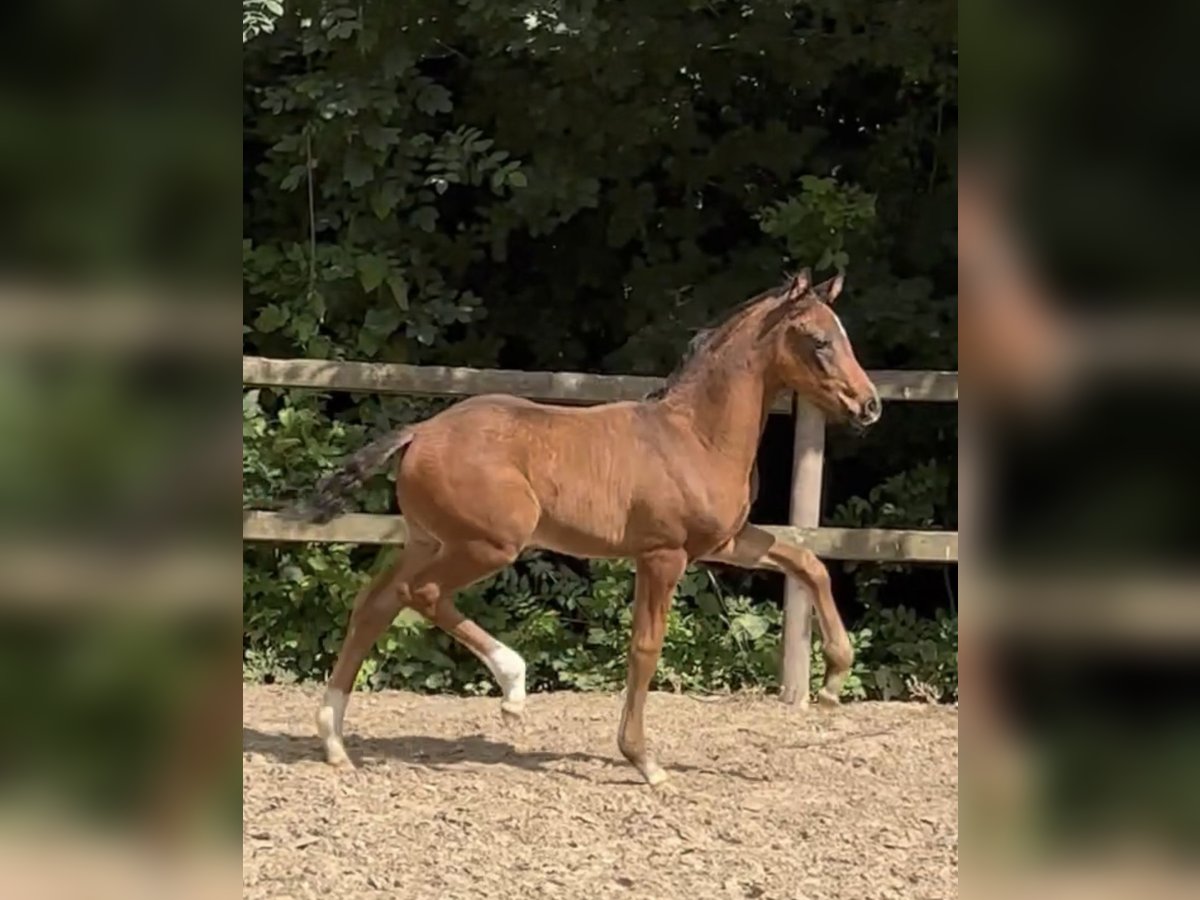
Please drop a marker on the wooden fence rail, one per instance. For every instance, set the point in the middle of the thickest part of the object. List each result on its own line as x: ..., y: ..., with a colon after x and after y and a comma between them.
x: 865, y: 544
x: 869, y: 544
x: 556, y: 387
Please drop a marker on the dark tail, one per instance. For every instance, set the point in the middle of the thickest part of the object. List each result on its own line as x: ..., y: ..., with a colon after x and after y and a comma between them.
x: 329, y: 500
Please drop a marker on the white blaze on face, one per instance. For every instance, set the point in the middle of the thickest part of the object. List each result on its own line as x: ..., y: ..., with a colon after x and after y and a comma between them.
x: 840, y: 327
x: 842, y: 330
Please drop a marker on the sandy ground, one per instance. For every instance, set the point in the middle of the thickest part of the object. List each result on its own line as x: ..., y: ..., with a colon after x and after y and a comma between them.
x: 448, y: 802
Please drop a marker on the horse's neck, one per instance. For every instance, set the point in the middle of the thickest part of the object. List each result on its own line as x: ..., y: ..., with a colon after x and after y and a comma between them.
x: 727, y: 407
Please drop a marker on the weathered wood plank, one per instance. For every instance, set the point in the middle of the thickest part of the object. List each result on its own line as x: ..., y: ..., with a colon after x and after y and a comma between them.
x: 1120, y: 606
x: 555, y: 387
x: 50, y: 576
x: 350, y: 528
x: 864, y: 544
x: 874, y: 544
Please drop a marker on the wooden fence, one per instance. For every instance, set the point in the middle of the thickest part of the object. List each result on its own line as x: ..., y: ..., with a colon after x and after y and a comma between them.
x: 868, y: 544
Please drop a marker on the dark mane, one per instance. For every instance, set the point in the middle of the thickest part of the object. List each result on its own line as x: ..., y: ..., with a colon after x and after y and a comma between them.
x: 712, y: 336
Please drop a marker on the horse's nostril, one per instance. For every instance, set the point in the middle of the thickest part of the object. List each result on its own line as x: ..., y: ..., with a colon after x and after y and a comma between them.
x: 871, y: 408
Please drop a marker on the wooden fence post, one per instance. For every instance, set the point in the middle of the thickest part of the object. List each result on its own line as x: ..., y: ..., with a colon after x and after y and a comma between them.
x: 808, y: 456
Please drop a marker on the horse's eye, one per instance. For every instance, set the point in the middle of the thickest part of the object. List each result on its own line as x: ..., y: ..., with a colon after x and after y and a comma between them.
x: 822, y: 343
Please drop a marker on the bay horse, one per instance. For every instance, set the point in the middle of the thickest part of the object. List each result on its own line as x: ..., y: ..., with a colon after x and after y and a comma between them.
x: 665, y: 481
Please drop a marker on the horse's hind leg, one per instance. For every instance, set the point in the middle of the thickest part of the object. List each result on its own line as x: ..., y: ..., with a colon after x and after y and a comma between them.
x: 374, y: 609
x: 426, y: 580
x: 457, y: 566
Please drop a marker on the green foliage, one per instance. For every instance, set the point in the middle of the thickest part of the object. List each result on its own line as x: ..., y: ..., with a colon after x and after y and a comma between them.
x: 579, y: 187
x: 617, y: 174
x: 258, y: 17
x: 912, y: 655
x: 909, y: 656
x: 572, y: 626
x: 289, y: 441
x: 819, y: 222
x: 915, y: 498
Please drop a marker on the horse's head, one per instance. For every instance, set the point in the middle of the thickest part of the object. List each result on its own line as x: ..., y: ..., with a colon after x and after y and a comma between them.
x: 812, y: 355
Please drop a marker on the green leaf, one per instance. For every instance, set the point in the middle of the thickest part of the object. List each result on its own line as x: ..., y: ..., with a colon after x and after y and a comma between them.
x: 291, y: 181
x: 357, y: 169
x: 435, y: 680
x: 303, y: 327
x: 379, y: 138
x: 517, y: 179
x: 399, y: 289
x: 382, y: 321
x: 384, y: 200
x: 708, y: 603
x: 409, y: 616
x: 750, y: 625
x: 271, y: 318
x: 372, y: 270
x: 433, y: 99
x: 397, y: 61
x: 425, y: 333
x: 425, y: 218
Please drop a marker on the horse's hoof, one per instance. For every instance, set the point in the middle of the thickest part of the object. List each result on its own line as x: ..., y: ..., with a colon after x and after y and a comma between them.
x: 512, y: 713
x: 656, y: 776
x: 665, y: 788
x: 340, y: 761
x: 335, y: 753
x: 827, y: 699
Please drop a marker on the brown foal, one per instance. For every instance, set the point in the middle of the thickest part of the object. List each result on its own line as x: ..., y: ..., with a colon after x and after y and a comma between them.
x: 664, y: 481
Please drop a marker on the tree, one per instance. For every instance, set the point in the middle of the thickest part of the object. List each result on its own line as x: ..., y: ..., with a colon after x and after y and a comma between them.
x: 582, y: 185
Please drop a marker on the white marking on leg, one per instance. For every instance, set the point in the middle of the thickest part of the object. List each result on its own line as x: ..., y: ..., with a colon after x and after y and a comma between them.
x: 508, y: 669
x: 329, y: 725
x: 654, y: 774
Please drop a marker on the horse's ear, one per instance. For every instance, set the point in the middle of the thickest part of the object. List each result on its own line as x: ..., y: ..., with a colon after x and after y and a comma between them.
x: 828, y: 290
x: 799, y: 284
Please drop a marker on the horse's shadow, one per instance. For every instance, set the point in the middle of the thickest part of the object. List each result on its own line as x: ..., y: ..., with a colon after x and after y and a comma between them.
x: 443, y: 754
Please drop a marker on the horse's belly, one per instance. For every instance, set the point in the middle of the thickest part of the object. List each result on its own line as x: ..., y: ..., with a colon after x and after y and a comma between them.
x: 603, y: 529
x: 576, y: 542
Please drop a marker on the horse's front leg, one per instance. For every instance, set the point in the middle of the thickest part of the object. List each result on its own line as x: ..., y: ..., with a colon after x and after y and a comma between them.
x: 755, y: 548
x: 657, y: 575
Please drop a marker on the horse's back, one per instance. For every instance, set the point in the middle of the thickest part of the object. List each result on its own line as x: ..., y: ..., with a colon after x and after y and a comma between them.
x: 590, y: 472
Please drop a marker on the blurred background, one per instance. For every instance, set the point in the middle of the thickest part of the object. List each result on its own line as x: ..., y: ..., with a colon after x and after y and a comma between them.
x: 119, y: 173
x: 119, y: 586
x: 1078, y: 332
